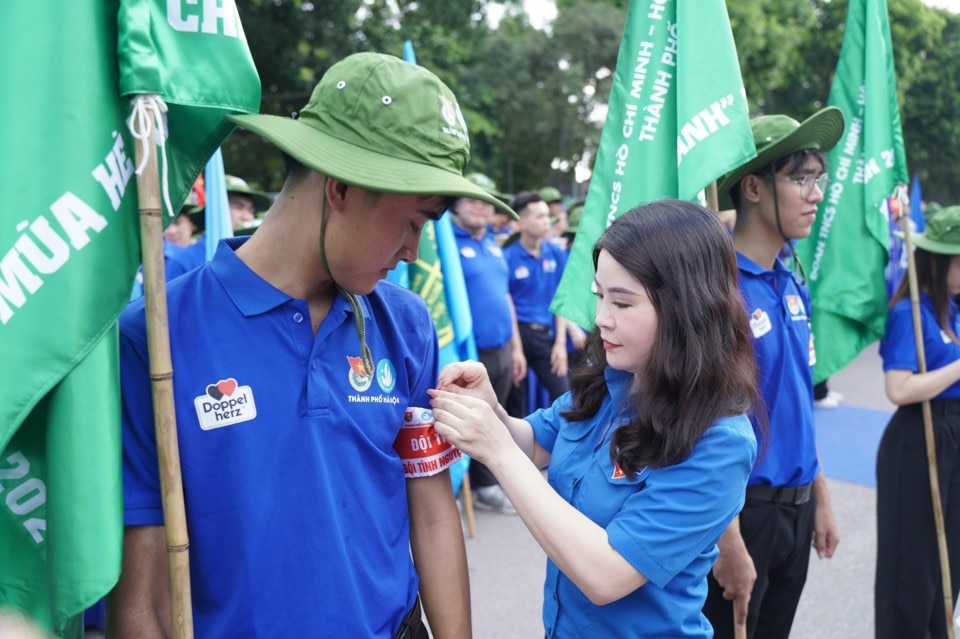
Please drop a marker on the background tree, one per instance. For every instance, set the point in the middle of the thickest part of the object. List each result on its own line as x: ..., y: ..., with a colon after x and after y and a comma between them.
x: 534, y: 99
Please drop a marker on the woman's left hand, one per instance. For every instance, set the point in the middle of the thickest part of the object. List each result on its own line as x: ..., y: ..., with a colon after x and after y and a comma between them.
x: 470, y: 424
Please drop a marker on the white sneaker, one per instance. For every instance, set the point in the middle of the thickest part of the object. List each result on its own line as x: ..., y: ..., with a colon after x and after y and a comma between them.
x: 493, y: 498
x: 831, y: 400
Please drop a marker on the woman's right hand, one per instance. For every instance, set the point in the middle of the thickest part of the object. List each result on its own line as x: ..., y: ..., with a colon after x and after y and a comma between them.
x: 470, y: 379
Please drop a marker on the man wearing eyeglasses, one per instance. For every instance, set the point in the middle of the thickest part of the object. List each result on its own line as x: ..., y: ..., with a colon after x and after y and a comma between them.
x: 764, y: 554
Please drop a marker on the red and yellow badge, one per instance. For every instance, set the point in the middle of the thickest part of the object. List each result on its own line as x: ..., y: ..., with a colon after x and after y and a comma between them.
x: 618, y: 472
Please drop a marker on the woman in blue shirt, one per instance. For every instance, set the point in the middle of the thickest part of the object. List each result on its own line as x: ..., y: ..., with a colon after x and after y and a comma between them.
x: 908, y: 589
x: 648, y: 455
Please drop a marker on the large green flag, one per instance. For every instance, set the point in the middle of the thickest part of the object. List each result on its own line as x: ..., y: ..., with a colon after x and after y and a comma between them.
x: 677, y: 120
x: 848, y: 247
x: 68, y: 253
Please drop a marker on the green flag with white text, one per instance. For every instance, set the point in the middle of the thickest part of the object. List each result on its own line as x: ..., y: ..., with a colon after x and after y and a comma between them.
x: 677, y: 120
x: 848, y: 248
x: 69, y: 249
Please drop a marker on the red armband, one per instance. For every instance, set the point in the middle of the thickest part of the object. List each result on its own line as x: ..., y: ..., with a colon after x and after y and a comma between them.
x: 422, y: 449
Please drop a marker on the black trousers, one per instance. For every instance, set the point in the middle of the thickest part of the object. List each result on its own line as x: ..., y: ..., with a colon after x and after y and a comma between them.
x: 499, y: 365
x: 778, y: 537
x: 537, y: 345
x: 908, y: 597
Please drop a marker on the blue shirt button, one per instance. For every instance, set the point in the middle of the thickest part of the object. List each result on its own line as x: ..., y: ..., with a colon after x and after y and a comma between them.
x: 298, y: 317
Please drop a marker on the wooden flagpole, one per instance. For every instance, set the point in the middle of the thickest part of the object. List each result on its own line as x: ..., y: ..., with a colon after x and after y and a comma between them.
x: 161, y: 376
x: 927, y: 421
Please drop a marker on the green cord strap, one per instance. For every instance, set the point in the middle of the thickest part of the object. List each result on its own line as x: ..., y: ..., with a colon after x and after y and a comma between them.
x: 358, y: 320
x: 361, y: 328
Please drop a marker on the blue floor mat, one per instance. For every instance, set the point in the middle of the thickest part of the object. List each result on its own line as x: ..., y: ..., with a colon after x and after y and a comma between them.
x: 848, y: 438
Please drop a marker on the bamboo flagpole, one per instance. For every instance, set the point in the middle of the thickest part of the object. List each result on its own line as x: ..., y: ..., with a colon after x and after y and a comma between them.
x: 927, y: 419
x: 144, y: 123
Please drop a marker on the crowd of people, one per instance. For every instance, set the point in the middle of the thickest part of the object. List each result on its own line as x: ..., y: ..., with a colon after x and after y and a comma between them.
x: 683, y: 488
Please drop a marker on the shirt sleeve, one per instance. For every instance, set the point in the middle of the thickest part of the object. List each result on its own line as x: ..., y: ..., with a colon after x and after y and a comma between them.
x: 898, y: 348
x: 546, y: 422
x: 682, y: 510
x: 142, y: 502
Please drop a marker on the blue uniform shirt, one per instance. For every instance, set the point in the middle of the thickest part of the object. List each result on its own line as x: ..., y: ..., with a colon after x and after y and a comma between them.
x: 534, y: 280
x: 295, y: 496
x: 487, y: 280
x: 899, y: 350
x: 778, y: 310
x: 664, y: 521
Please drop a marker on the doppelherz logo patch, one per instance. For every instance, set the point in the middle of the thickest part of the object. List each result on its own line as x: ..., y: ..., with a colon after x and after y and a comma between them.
x: 225, y: 403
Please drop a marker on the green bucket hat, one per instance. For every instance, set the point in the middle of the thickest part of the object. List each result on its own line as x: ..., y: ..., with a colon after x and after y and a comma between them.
x: 550, y: 194
x: 379, y: 123
x: 777, y: 136
x: 942, y: 233
x: 487, y: 184
x: 261, y: 201
x: 573, y: 217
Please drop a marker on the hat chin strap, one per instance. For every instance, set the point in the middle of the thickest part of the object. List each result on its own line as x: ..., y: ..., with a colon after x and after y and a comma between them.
x: 797, y: 266
x: 358, y: 321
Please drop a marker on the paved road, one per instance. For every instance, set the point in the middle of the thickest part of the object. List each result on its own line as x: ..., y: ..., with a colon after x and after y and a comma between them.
x: 507, y: 566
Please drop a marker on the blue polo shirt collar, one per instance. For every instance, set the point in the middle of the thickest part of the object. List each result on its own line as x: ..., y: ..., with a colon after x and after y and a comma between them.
x: 747, y: 265
x: 252, y: 294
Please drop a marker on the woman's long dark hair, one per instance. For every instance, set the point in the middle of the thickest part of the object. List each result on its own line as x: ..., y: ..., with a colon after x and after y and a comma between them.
x: 702, y: 364
x: 932, y: 269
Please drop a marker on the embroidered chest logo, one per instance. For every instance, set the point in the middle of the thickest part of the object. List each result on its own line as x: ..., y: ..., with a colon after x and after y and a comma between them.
x: 795, y: 305
x: 521, y: 273
x: 760, y: 323
x: 386, y: 375
x: 468, y: 252
x: 225, y: 403
x: 360, y: 378
x: 549, y: 265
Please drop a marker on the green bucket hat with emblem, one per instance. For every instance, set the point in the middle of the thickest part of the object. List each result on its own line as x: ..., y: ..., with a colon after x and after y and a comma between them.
x: 777, y: 136
x: 261, y: 201
x: 942, y: 233
x: 382, y: 124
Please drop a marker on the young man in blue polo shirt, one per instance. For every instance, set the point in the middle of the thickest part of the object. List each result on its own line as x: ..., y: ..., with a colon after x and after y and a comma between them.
x: 487, y: 279
x: 764, y: 554
x: 535, y: 269
x: 311, y: 473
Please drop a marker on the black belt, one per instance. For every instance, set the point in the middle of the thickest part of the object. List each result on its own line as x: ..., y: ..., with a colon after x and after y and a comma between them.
x: 795, y: 495
x: 540, y: 328
x: 411, y: 623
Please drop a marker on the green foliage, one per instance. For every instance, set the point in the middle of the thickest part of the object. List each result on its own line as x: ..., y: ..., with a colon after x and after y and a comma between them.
x: 530, y: 97
x: 930, y: 126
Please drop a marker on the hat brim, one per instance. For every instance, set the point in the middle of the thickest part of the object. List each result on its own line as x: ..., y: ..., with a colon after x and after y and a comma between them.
x: 261, y: 202
x: 820, y: 131
x: 358, y: 166
x: 931, y: 246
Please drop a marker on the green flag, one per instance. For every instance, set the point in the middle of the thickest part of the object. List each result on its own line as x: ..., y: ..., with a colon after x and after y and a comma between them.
x: 68, y: 253
x: 677, y: 120
x: 848, y: 248
x: 426, y: 280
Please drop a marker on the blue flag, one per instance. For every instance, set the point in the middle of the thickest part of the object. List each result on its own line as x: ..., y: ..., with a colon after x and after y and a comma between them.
x: 916, y: 206
x: 217, y: 208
